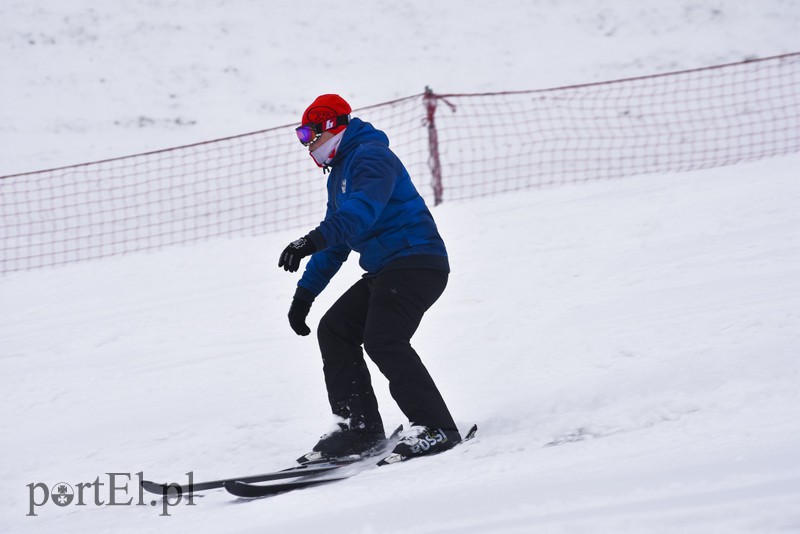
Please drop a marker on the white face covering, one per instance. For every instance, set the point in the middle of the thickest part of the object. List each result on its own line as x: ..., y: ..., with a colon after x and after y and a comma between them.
x: 324, y: 153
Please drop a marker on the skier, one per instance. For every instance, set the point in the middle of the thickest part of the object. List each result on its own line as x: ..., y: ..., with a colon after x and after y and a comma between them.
x: 374, y: 209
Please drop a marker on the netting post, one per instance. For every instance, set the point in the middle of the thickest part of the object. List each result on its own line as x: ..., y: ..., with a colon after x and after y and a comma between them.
x: 433, y: 146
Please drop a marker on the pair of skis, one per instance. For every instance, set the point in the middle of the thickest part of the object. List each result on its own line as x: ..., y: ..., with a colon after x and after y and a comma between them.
x: 292, y: 472
x: 306, y: 475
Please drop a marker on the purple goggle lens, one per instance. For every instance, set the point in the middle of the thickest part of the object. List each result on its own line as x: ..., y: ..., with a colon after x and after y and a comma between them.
x: 307, y: 133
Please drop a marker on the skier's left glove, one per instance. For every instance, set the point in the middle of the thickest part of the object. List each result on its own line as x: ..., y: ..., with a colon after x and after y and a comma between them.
x: 299, y: 249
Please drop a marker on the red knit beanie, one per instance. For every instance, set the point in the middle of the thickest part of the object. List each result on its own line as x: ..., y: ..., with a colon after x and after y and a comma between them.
x: 327, y: 108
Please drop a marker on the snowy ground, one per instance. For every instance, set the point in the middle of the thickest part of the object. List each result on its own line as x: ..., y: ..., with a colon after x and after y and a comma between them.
x: 648, y: 326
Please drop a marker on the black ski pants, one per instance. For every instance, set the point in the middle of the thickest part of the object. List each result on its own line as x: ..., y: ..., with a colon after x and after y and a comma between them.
x: 382, y: 313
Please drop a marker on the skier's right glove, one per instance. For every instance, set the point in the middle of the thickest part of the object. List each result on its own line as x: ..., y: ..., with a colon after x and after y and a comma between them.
x: 298, y: 311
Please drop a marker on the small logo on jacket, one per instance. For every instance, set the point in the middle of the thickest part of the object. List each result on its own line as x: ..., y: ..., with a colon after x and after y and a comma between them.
x: 344, y: 185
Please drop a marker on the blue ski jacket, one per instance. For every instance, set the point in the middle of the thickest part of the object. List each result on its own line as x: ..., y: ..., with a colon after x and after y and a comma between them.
x: 374, y: 209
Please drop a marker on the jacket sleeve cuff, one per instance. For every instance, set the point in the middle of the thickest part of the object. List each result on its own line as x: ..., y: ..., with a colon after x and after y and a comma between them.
x: 315, y: 236
x: 302, y: 293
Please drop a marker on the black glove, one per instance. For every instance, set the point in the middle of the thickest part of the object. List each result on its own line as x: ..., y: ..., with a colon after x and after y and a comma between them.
x: 298, y: 312
x: 297, y: 250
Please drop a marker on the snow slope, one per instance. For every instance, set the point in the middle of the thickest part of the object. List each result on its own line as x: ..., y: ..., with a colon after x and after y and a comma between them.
x: 646, y: 328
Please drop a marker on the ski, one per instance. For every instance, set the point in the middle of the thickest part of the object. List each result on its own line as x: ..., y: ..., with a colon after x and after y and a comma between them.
x: 249, y: 490
x: 241, y: 488
x: 311, y: 468
x: 252, y: 491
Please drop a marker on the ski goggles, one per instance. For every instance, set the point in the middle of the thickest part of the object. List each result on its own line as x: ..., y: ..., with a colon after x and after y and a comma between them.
x: 308, y: 133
